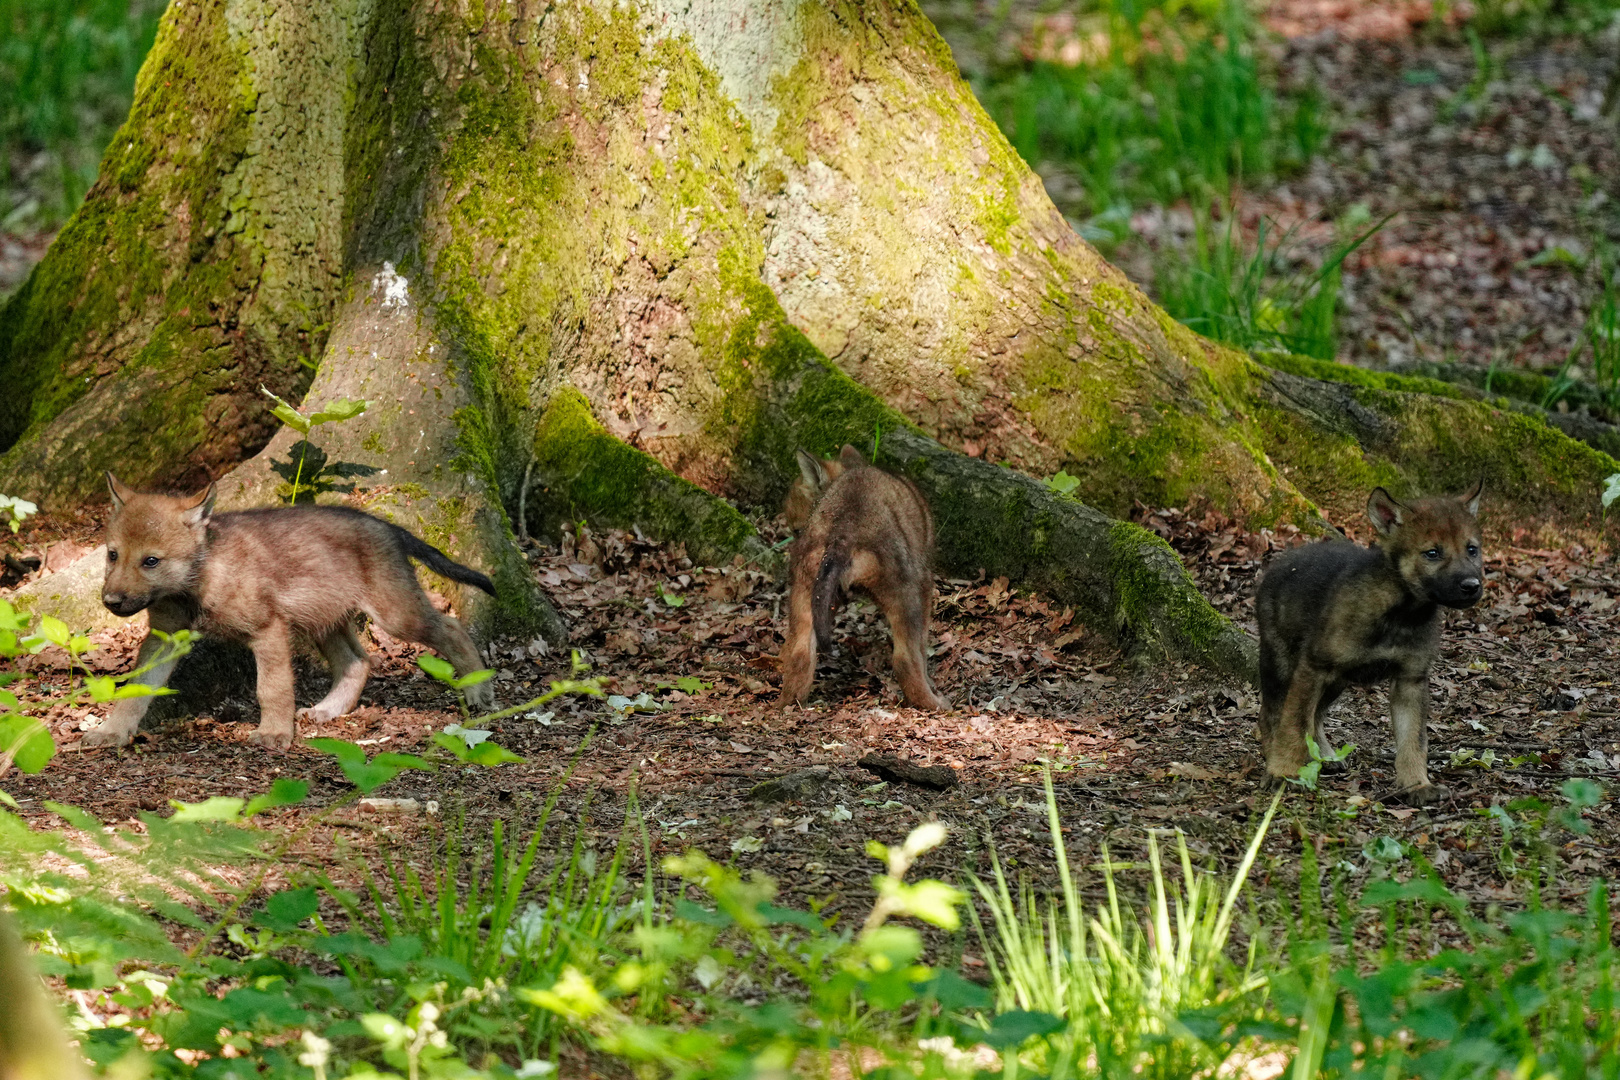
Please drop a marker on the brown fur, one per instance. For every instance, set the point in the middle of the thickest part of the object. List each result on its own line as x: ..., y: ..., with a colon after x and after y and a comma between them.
x: 1336, y: 613
x: 261, y: 576
x: 859, y: 527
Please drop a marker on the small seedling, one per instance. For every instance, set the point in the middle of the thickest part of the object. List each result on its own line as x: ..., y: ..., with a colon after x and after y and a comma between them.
x: 16, y: 509
x: 1063, y: 483
x: 335, y: 412
x: 1312, y: 769
x: 446, y: 674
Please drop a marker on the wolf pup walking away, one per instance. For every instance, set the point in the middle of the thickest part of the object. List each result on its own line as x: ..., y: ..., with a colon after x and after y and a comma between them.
x: 260, y: 576
x: 1335, y: 613
x: 858, y: 527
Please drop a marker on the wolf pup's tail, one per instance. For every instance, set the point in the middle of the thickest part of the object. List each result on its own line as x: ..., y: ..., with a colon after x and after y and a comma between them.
x: 828, y: 592
x: 440, y: 563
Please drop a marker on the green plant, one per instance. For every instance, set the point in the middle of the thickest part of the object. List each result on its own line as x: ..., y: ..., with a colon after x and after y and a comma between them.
x: 1531, y: 997
x: 1171, y: 105
x: 24, y: 741
x: 1239, y: 295
x: 67, y: 76
x: 1311, y: 771
x: 1611, y: 492
x: 334, y: 412
x: 16, y: 510
x: 1136, y: 1003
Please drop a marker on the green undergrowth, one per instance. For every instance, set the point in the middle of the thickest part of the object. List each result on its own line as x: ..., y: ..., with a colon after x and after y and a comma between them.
x: 67, y: 76
x: 1155, y: 103
x: 520, y: 947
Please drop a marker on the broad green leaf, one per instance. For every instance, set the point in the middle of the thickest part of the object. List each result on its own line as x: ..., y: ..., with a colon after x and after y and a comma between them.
x: 137, y: 689
x: 1611, y: 490
x: 1063, y: 483
x: 437, y: 668
x: 27, y: 740
x: 101, y: 687
x: 287, y: 414
x: 338, y: 411
x: 8, y: 699
x: 218, y: 808
x: 341, y: 749
x: 473, y: 678
x: 282, y: 793
x: 489, y: 755
x: 55, y: 630
x: 386, y: 1030
x: 9, y: 801
x: 285, y: 910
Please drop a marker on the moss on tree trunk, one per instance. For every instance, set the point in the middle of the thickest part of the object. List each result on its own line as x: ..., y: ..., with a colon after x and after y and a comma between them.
x: 655, y: 247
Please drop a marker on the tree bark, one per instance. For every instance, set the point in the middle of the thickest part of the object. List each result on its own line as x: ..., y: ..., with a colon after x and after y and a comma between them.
x: 648, y: 250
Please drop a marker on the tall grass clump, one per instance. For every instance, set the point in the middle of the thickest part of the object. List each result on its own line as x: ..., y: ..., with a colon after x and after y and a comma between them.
x: 1160, y: 107
x: 1128, y: 993
x: 1246, y: 296
x: 67, y: 77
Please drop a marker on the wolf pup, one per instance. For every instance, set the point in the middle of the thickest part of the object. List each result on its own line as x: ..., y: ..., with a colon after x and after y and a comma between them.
x: 858, y: 527
x: 261, y: 575
x: 1335, y: 613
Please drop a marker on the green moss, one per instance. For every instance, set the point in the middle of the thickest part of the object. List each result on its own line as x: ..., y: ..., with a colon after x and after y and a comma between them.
x: 1331, y: 371
x: 1156, y: 601
x: 587, y: 473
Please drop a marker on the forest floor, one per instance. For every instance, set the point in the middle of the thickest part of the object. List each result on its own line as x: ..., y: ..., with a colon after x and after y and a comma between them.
x: 1499, y: 168
x: 1524, y: 699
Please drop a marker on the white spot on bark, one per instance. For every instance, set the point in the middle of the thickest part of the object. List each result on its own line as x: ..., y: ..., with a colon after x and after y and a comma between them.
x: 395, y: 289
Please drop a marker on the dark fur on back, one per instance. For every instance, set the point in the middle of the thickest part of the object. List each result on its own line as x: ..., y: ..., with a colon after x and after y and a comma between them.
x: 1333, y: 614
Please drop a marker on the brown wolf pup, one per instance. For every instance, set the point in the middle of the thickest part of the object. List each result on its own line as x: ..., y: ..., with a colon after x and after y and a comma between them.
x: 260, y: 576
x: 1335, y: 613
x: 859, y: 527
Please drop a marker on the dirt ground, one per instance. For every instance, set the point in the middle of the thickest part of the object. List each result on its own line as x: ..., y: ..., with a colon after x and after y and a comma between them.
x: 1524, y: 698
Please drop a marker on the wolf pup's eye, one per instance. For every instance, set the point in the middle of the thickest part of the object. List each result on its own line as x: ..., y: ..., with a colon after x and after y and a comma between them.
x: 1473, y: 549
x: 112, y: 556
x: 150, y: 561
x: 1433, y: 554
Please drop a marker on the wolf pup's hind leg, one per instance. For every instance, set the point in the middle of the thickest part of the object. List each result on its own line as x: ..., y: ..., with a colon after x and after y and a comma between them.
x: 798, y: 658
x: 404, y: 611
x: 350, y: 665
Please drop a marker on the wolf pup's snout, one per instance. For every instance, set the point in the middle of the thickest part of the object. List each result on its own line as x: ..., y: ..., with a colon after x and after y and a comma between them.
x: 119, y: 604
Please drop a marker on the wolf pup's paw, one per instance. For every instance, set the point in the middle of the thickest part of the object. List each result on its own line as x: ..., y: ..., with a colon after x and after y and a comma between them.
x: 273, y: 739
x: 481, y: 697
x: 1425, y: 795
x: 97, y: 738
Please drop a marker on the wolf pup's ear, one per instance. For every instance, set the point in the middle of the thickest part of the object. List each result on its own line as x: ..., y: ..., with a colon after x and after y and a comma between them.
x: 120, y: 492
x: 850, y: 458
x: 201, y: 508
x: 1471, y: 500
x: 810, y: 468
x: 1384, y: 512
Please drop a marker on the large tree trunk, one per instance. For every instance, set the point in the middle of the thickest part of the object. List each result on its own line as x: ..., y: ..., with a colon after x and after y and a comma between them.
x: 647, y: 250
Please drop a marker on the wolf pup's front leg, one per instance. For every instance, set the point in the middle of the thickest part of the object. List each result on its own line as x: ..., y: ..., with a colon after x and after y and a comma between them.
x: 272, y: 652
x: 121, y: 723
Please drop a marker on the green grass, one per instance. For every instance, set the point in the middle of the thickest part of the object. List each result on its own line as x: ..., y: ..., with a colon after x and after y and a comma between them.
x: 1177, y: 107
x: 1245, y: 296
x: 67, y: 76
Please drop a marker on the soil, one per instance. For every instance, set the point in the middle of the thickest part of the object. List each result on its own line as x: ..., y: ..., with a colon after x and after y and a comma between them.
x: 1524, y: 700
